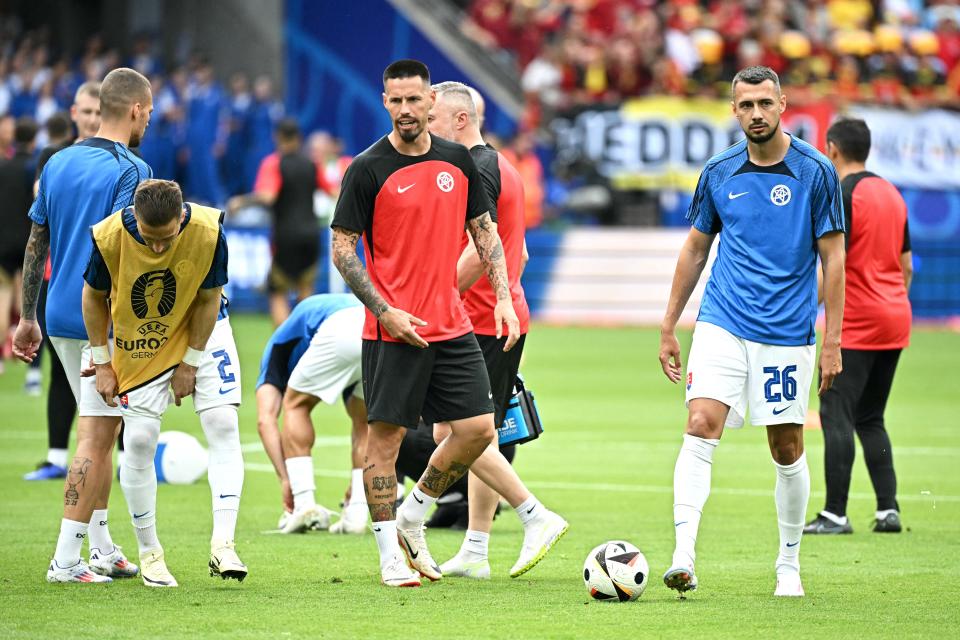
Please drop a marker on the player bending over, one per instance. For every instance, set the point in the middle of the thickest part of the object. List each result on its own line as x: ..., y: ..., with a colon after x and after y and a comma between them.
x: 156, y: 272
x: 313, y: 355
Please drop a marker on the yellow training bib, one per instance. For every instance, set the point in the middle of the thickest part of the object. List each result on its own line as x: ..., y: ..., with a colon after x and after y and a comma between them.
x: 152, y: 295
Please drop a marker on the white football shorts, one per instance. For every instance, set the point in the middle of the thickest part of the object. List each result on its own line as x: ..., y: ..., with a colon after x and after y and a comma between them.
x: 75, y: 356
x: 332, y: 363
x: 218, y: 379
x: 773, y: 381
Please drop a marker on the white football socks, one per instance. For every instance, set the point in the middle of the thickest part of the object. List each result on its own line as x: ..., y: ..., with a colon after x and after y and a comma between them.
x: 138, y: 477
x: 99, y: 532
x: 225, y: 474
x: 529, y: 510
x: 414, y: 508
x: 72, y: 534
x: 57, y: 457
x: 475, y: 545
x: 385, y: 533
x: 300, y: 472
x: 691, y: 488
x: 791, y: 494
x: 357, y: 492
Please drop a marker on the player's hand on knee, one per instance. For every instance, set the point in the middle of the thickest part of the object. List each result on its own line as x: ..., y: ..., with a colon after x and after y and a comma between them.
x: 504, y: 313
x: 403, y: 326
x: 184, y: 381
x: 107, y: 383
x: 670, y: 357
x: 26, y: 340
x: 831, y: 364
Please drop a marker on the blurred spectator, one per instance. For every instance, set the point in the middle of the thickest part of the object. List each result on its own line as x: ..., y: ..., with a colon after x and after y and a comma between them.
x: 265, y: 114
x: 522, y: 155
x: 205, y: 136
x: 7, y: 126
x: 238, y: 136
x: 16, y: 194
x: 166, y: 132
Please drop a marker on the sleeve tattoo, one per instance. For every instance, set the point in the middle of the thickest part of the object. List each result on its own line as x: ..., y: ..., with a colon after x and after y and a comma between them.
x: 34, y: 262
x: 490, y: 251
x: 354, y: 273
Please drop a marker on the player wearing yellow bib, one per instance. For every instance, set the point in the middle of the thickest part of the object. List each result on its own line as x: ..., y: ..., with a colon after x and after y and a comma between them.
x: 156, y: 272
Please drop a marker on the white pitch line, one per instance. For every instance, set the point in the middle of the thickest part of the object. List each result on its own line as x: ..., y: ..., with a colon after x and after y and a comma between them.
x: 642, y: 488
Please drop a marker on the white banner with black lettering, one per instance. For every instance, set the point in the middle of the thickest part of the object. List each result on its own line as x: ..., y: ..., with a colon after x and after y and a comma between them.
x: 920, y: 150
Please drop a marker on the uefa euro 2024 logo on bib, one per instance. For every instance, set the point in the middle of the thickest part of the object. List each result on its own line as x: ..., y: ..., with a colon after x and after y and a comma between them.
x: 780, y: 195
x: 445, y: 182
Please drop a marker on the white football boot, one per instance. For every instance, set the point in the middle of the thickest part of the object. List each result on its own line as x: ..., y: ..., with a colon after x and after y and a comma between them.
x: 414, y: 545
x: 789, y: 585
x: 538, y: 539
x: 225, y: 562
x: 352, y: 520
x: 463, y: 566
x: 79, y: 572
x: 153, y: 570
x: 680, y: 577
x: 113, y: 564
x: 395, y: 573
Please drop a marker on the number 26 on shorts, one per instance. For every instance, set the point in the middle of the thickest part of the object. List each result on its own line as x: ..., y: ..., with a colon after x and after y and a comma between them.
x: 782, y: 378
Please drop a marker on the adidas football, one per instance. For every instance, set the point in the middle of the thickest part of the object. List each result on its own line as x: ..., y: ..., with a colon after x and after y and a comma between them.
x: 615, y: 570
x: 180, y: 458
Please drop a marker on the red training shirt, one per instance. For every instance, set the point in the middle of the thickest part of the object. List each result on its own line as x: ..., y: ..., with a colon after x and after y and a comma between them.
x: 412, y: 211
x: 876, y: 314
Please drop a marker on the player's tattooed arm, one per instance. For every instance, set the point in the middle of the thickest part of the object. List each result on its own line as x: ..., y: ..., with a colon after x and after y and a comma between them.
x: 76, y: 477
x: 354, y: 273
x: 34, y: 262
x: 490, y: 251
x: 439, y: 481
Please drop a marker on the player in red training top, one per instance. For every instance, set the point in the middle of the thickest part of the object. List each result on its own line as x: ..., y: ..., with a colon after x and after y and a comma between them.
x: 876, y: 328
x: 410, y: 195
x: 455, y: 116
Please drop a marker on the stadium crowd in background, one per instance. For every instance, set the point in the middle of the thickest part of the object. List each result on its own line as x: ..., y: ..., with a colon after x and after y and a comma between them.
x: 208, y: 137
x: 892, y: 52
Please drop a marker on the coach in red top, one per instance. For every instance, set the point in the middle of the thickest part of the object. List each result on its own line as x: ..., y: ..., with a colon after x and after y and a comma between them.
x: 876, y: 327
x: 410, y: 196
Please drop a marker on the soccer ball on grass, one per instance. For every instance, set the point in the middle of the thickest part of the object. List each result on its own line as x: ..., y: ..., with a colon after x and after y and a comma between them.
x: 615, y: 570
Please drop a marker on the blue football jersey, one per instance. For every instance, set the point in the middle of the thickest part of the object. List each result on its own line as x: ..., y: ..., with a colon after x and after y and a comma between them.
x: 80, y: 186
x: 290, y: 340
x: 763, y: 285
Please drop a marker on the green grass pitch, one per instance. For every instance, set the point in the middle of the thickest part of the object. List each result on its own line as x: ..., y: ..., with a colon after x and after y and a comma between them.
x: 613, y: 426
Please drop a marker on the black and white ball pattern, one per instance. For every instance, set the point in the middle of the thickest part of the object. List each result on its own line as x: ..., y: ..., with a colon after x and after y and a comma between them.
x: 615, y: 570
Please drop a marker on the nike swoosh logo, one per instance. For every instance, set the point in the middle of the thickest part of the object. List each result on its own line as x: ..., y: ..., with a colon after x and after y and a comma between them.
x: 530, y: 510
x: 402, y: 189
x: 677, y: 524
x: 416, y: 498
x: 794, y: 544
x: 224, y: 392
x: 778, y: 412
x: 734, y: 196
x: 472, y: 540
x: 229, y: 495
x: 140, y: 515
x: 376, y: 529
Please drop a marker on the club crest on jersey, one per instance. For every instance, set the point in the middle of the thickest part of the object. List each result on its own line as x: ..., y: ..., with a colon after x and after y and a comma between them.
x: 154, y: 294
x: 445, y: 182
x: 124, y: 401
x: 780, y: 195
x: 689, y: 380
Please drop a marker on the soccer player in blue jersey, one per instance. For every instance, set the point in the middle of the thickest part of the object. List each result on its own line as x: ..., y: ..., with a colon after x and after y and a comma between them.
x: 775, y: 202
x: 80, y: 186
x: 313, y: 355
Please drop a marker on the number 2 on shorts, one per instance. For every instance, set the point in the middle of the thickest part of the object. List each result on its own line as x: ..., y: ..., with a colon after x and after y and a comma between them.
x: 225, y: 362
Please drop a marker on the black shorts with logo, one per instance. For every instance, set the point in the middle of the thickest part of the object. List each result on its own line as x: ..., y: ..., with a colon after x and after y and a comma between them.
x: 446, y: 381
x: 502, y: 368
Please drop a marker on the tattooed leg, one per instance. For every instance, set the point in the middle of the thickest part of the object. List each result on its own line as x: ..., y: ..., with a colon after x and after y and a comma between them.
x: 452, y: 459
x: 379, y: 474
x: 95, y: 439
x: 76, y: 480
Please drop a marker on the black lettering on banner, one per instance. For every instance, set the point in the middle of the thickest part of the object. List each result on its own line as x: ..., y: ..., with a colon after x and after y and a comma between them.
x: 654, y: 143
x: 697, y: 143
